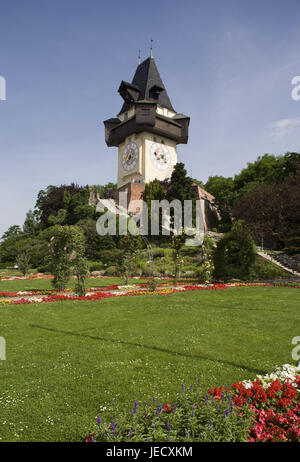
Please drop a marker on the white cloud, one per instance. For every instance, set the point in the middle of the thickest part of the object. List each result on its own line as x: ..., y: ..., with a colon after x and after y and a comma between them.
x: 283, y: 127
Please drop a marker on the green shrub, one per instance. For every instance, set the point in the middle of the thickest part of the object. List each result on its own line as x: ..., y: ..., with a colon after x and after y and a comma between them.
x: 110, y: 256
x: 111, y: 271
x: 44, y: 269
x: 96, y: 266
x: 158, y: 252
x: 201, y: 274
x: 235, y: 254
x: 189, y: 274
x: 268, y: 270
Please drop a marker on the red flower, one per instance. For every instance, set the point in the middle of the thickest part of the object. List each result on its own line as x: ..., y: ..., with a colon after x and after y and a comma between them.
x: 167, y: 408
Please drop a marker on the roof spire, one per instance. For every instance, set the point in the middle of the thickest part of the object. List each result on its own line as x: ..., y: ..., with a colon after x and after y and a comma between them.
x: 139, y: 56
x: 151, y: 54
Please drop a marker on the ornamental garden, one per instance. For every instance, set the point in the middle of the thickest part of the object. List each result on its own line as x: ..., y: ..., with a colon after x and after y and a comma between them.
x: 109, y: 338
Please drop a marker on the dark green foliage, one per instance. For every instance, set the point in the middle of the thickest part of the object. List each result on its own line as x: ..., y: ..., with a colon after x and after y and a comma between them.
x: 31, y: 225
x: 272, y: 213
x: 94, y: 243
x: 265, y: 270
x: 12, y: 231
x: 235, y: 254
x: 154, y: 191
x: 130, y: 247
x: 52, y: 200
x: 12, y: 246
x: 223, y: 191
x: 112, y: 271
x: 96, y: 266
x: 106, y: 191
x: 67, y: 257
x: 23, y: 261
x: 110, y: 255
x: 267, y: 171
x: 180, y: 185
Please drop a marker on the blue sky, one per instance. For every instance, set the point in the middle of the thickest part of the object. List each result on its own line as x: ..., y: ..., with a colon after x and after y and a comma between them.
x: 228, y: 64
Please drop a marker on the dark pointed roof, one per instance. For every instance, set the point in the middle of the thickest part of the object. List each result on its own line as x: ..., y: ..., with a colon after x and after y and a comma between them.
x: 150, y: 85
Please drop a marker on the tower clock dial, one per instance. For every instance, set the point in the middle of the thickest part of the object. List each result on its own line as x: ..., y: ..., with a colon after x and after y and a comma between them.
x: 160, y: 156
x: 130, y: 156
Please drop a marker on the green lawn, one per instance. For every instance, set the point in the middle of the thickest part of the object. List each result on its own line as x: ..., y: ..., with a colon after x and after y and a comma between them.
x: 31, y: 284
x: 66, y: 360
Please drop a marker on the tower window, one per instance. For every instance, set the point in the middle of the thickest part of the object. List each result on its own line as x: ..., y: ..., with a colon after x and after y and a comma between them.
x: 145, y: 111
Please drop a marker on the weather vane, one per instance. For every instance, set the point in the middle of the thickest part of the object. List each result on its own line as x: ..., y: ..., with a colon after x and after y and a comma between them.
x: 139, y: 56
x: 151, y: 55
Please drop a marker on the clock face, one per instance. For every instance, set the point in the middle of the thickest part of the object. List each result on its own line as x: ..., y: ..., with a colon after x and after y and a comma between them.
x: 130, y: 156
x: 160, y: 156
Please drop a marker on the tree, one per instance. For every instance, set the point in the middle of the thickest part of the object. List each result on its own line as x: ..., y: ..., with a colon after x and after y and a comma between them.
x: 55, y: 198
x: 267, y: 169
x: 67, y: 255
x: 23, y: 261
x: 94, y: 243
x: 180, y: 185
x: 177, y: 242
x: 272, y: 212
x: 31, y: 224
x: 235, y: 254
x: 131, y: 247
x: 180, y: 188
x: 223, y: 190
x: 154, y: 190
x: 12, y: 231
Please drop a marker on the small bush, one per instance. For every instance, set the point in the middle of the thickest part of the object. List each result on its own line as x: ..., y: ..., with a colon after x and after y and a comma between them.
x: 111, y: 271
x: 44, y: 269
x: 158, y: 253
x: 190, y: 274
x: 96, y: 266
x: 268, y: 270
x: 235, y: 254
x: 109, y: 256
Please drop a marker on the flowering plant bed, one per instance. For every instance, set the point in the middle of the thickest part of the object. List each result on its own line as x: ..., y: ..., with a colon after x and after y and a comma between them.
x: 265, y: 409
x: 274, y: 401
x: 99, y: 293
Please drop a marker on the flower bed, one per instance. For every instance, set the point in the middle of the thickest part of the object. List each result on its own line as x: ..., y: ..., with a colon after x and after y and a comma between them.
x: 265, y: 409
x: 275, y: 402
x: 98, y: 293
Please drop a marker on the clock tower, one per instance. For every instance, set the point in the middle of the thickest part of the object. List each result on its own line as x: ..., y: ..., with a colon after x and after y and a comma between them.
x: 147, y: 129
